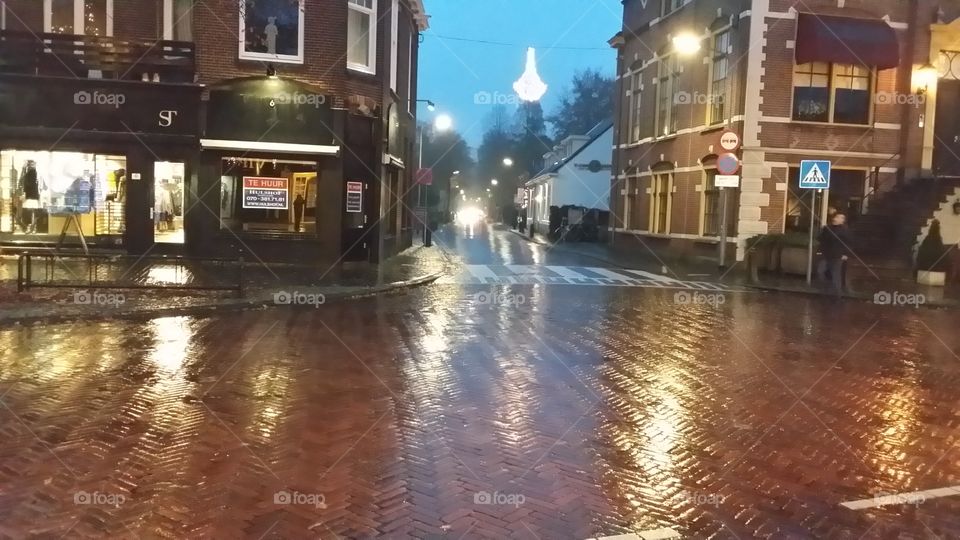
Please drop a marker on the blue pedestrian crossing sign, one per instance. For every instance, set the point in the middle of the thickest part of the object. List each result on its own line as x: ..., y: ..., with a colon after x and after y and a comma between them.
x: 815, y: 174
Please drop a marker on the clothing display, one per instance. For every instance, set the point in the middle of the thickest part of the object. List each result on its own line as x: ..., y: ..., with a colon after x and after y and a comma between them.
x: 29, y: 182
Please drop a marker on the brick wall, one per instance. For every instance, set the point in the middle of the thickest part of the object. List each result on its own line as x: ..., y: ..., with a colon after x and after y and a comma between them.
x: 768, y: 107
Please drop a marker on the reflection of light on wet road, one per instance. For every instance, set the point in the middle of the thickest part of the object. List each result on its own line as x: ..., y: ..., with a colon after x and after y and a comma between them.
x: 169, y: 274
x: 172, y: 342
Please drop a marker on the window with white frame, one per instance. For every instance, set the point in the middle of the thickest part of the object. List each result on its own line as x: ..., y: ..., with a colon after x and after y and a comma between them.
x: 719, y: 77
x: 669, y: 6
x: 661, y: 198
x: 636, y: 120
x: 362, y: 35
x: 836, y: 93
x: 668, y: 75
x: 272, y: 31
x: 86, y: 17
x: 178, y: 20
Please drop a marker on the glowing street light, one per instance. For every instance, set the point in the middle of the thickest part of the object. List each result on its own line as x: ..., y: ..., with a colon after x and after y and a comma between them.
x: 494, y: 182
x: 507, y: 162
x: 686, y: 43
x: 443, y: 122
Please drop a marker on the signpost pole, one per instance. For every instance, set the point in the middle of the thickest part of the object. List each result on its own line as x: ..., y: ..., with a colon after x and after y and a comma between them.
x: 723, y: 227
x: 813, y: 226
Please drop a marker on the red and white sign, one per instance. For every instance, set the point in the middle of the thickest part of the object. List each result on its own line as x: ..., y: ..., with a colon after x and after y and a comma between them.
x: 354, y: 197
x: 425, y: 176
x: 728, y: 164
x: 265, y: 193
x: 730, y: 141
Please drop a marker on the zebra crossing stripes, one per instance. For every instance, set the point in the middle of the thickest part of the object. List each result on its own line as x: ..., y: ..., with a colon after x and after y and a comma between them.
x: 513, y: 274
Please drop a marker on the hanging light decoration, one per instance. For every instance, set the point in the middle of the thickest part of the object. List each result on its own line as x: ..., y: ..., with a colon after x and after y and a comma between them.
x: 530, y: 87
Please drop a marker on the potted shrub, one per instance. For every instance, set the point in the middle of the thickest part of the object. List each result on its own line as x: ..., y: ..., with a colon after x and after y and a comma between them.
x: 932, y: 259
x: 761, y: 252
x: 794, y: 251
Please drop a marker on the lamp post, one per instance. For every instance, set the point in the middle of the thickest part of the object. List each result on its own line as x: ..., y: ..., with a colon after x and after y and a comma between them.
x: 441, y: 123
x: 689, y: 44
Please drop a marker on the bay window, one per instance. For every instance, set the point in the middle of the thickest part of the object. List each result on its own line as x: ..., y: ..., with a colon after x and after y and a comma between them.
x: 362, y: 35
x: 837, y: 93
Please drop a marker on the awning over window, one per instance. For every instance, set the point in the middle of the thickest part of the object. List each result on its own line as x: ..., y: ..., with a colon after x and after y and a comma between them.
x: 846, y: 40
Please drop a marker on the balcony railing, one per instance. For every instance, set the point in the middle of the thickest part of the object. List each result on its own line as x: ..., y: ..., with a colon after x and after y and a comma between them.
x: 67, y: 55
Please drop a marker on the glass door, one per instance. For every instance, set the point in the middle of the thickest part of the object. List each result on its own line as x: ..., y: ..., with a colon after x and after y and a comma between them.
x: 168, y: 202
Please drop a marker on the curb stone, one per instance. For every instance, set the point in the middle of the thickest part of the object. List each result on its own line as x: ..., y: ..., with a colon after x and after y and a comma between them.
x: 212, y: 308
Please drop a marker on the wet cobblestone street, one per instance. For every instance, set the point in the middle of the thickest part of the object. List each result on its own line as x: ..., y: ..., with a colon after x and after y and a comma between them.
x: 460, y: 410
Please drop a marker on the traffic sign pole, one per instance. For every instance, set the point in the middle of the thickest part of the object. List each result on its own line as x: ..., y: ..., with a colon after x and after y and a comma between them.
x: 723, y: 227
x: 813, y: 226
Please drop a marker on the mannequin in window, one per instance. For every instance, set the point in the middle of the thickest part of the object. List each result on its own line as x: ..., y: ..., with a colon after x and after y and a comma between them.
x: 271, y: 31
x: 117, y: 185
x: 298, y: 205
x: 29, y: 189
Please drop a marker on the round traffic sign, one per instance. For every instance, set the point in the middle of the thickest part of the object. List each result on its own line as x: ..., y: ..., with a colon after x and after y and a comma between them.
x: 730, y: 141
x: 728, y: 164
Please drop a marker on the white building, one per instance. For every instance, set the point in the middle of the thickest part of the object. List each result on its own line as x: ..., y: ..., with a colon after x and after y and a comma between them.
x: 577, y: 173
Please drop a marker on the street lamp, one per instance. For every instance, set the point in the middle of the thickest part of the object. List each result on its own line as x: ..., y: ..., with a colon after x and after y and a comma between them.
x: 443, y: 122
x: 507, y: 162
x: 494, y: 182
x: 689, y: 44
x: 686, y: 43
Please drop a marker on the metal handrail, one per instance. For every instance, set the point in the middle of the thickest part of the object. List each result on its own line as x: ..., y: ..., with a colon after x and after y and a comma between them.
x: 51, y: 263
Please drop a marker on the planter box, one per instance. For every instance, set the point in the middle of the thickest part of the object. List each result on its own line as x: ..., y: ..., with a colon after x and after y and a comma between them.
x: 934, y: 279
x: 793, y: 260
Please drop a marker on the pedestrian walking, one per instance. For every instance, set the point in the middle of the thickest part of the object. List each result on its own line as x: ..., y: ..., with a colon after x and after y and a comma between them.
x: 834, y: 244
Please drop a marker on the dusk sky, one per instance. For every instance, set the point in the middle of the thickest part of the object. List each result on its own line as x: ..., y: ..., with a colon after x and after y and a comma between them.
x: 452, y: 72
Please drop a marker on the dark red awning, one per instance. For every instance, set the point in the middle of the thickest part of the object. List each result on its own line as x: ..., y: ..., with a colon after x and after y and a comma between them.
x: 846, y: 40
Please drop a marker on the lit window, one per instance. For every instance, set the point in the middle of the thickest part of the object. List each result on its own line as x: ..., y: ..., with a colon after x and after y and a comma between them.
x: 88, y: 17
x: 836, y: 93
x: 362, y: 35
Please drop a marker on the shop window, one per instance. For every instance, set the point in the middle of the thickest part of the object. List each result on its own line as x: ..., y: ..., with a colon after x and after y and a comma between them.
x: 169, y: 190
x: 178, y: 20
x: 660, y: 201
x: 362, y: 35
x: 835, y: 93
x: 39, y: 190
x: 88, y: 17
x: 719, y: 77
x: 269, y: 196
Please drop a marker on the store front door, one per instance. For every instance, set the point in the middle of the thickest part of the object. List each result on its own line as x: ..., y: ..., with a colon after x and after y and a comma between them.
x: 357, y: 221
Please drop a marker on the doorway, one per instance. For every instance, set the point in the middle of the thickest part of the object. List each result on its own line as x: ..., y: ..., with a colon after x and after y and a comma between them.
x: 168, y: 202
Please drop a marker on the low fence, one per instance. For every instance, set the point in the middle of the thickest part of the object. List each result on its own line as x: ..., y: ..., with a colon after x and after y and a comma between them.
x: 152, y: 272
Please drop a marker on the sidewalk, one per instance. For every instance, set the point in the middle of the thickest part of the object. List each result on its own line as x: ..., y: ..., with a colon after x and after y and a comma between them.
x: 264, y: 286
x: 881, y: 291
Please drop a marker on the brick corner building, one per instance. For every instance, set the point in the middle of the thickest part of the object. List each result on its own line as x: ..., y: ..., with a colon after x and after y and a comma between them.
x: 271, y: 130
x: 852, y: 83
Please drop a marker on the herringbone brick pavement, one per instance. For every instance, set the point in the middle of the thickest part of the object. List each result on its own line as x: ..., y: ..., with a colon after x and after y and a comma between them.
x: 573, y: 413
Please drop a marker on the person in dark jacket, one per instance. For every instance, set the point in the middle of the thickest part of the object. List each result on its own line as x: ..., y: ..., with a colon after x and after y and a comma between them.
x: 834, y: 244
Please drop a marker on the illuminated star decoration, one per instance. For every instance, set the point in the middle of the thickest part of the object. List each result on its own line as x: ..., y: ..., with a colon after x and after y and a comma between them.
x: 529, y: 87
